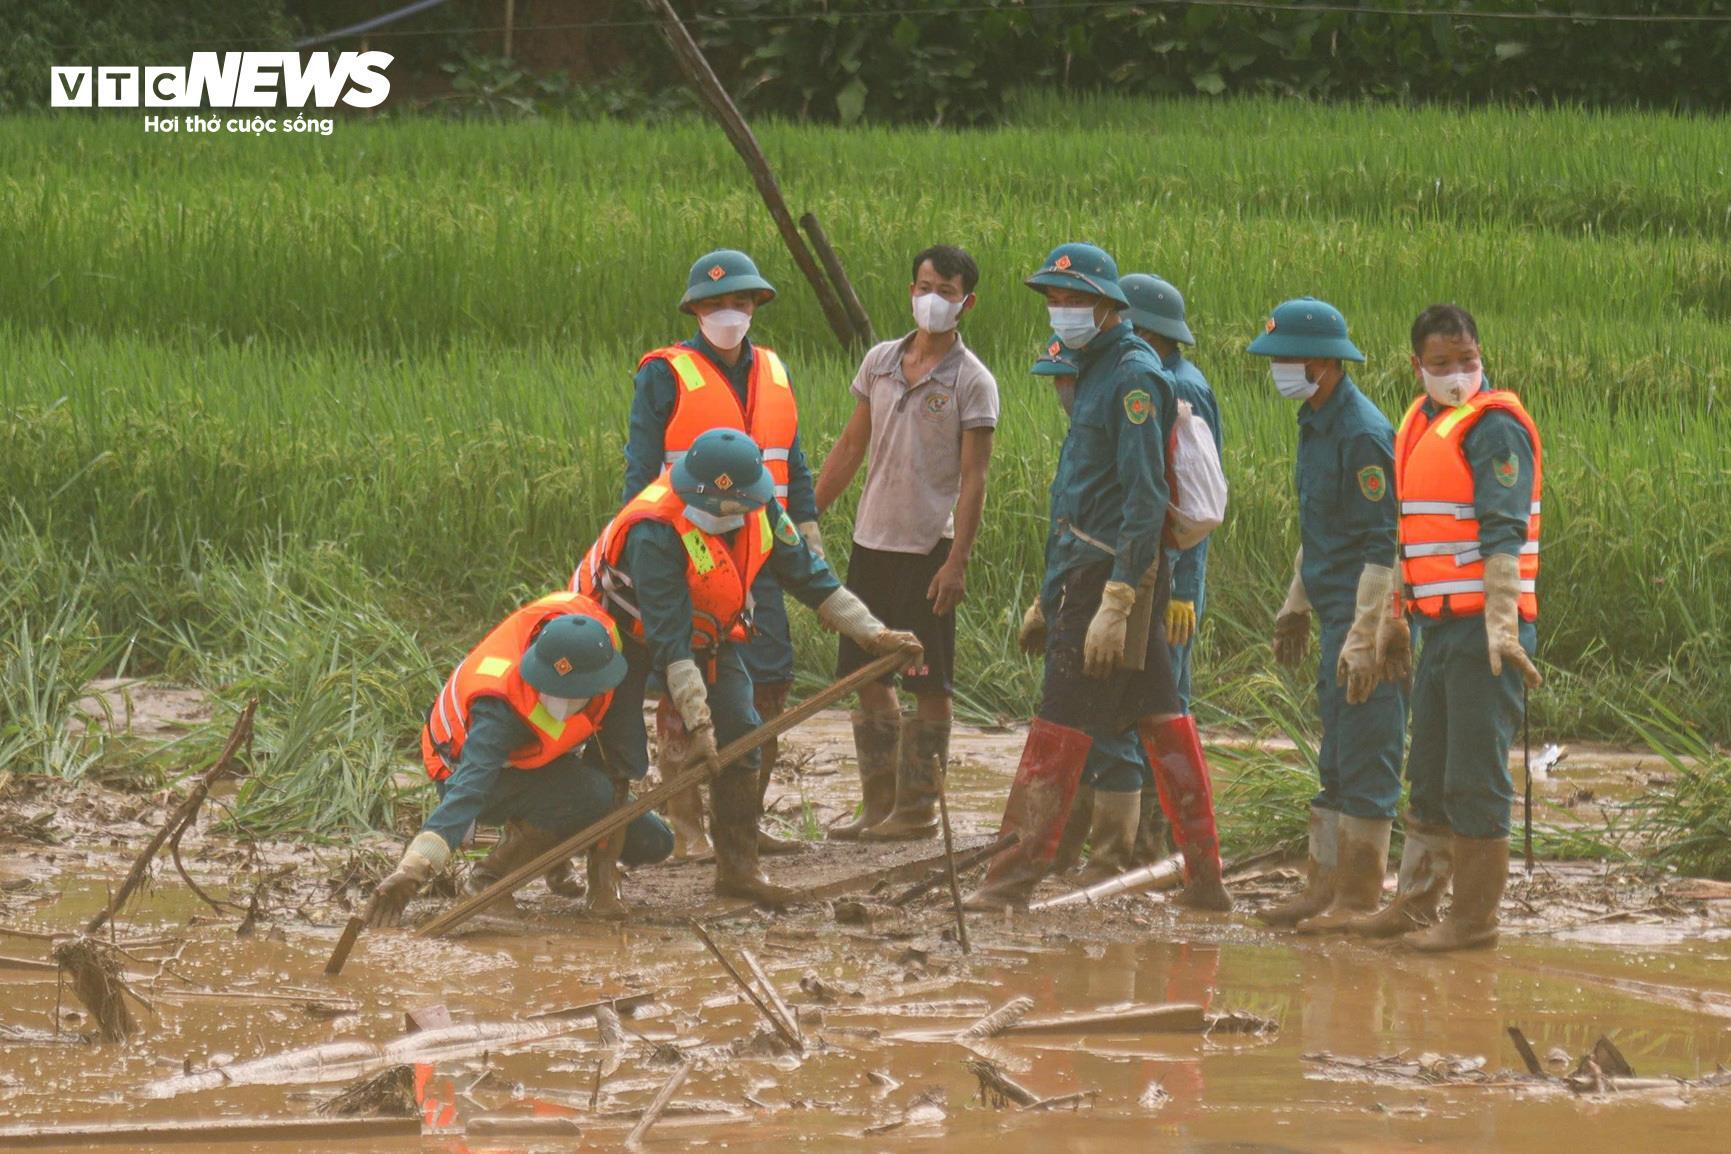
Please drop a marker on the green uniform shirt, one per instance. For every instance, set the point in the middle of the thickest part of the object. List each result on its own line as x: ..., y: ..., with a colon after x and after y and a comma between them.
x: 494, y: 731
x: 1109, y: 496
x: 1347, y: 513
x: 656, y: 561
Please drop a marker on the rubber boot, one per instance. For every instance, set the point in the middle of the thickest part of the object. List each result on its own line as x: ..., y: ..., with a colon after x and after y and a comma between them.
x: 1174, y: 749
x: 1361, y: 860
x: 1075, y: 835
x: 521, y: 843
x: 925, y: 754
x: 737, y: 874
x: 1319, y: 874
x: 1426, y: 864
x: 1481, y: 872
x: 605, y: 900
x: 876, y: 742
x: 684, y: 812
x: 1037, y: 808
x: 562, y: 880
x: 1111, y: 835
x: 1151, y: 830
x: 770, y: 701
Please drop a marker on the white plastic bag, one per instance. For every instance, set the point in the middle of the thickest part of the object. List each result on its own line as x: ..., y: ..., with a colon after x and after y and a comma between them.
x: 1199, y: 483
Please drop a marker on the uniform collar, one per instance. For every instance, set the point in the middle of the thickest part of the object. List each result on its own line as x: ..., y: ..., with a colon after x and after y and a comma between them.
x: 1171, y: 363
x: 1324, y: 419
x: 1107, y: 338
x: 700, y: 343
x: 947, y: 371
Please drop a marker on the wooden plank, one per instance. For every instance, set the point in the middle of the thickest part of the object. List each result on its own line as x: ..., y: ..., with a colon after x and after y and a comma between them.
x: 150, y: 1135
x: 1170, y: 1018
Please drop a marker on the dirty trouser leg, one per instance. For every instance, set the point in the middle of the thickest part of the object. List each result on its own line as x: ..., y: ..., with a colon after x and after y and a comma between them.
x: 1365, y: 739
x: 1427, y: 759
x: 733, y: 796
x: 1484, y: 715
x: 567, y: 795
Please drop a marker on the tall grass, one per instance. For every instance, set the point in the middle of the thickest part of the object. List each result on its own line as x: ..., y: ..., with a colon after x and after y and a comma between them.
x: 400, y: 357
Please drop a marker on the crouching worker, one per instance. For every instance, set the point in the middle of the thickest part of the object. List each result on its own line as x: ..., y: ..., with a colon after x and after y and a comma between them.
x: 677, y: 564
x: 509, y: 740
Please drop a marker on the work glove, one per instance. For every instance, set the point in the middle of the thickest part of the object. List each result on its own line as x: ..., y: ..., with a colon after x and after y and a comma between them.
x: 426, y: 856
x: 1503, y: 618
x: 1180, y: 622
x: 1031, y: 637
x: 1358, y: 668
x: 1292, y: 623
x: 690, y: 696
x: 813, y: 537
x: 700, y: 751
x: 1394, y: 643
x: 847, y: 615
x: 1103, y: 648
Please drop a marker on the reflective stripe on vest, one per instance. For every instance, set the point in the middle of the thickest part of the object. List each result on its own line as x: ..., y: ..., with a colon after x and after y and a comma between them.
x: 705, y: 400
x: 1441, y: 563
x: 491, y: 670
x: 719, y: 575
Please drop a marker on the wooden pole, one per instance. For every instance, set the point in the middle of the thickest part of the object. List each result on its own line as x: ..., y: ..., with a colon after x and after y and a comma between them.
x: 510, y: 24
x: 785, y: 1031
x: 702, y: 78
x: 626, y: 814
x: 856, y: 313
x: 950, y: 867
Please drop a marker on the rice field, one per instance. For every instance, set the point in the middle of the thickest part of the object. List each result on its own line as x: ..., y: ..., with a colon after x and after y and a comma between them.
x: 302, y: 417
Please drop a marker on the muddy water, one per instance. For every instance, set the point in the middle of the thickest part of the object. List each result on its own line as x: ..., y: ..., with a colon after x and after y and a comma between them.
x: 1224, y: 1095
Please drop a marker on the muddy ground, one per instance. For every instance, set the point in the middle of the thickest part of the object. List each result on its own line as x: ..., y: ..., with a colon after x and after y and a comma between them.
x: 878, y: 993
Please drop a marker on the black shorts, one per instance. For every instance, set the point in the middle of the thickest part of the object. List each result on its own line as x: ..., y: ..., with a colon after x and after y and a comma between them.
x: 1105, y: 704
x: 893, y: 586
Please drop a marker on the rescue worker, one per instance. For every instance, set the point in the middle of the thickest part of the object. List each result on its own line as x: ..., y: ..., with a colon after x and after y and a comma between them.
x: 1344, y: 573
x: 1469, y: 472
x: 1157, y: 314
x: 925, y: 408
x: 720, y: 379
x: 509, y: 740
x: 1108, y: 503
x: 677, y: 564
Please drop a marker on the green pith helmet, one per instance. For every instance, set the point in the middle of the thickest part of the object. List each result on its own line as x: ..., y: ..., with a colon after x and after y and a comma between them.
x: 1156, y: 306
x: 1056, y: 360
x: 574, y: 656
x: 1305, y: 328
x: 1083, y: 267
x: 723, y: 474
x: 726, y: 270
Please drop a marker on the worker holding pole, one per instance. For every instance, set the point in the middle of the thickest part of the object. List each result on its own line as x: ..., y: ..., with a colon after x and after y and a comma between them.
x: 720, y: 379
x: 511, y: 740
x: 1103, y: 554
x: 1469, y: 472
x: 677, y: 565
x: 1345, y: 575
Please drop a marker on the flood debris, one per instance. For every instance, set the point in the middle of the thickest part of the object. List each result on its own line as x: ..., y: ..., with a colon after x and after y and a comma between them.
x: 433, y: 1016
x: 1165, y: 874
x: 1427, y: 1069
x: 998, y: 1089
x: 345, y: 946
x: 26, y: 1036
x: 390, y: 1094
x: 967, y: 861
x: 1154, y: 1097
x: 612, y: 1036
x: 926, y: 1108
x: 1169, y: 1018
x: 95, y: 975
x: 788, y: 1031
x: 998, y: 1020
x: 157, y: 1133
x: 626, y: 1004
x: 652, y: 1113
x: 522, y: 1126
x: 1239, y: 1022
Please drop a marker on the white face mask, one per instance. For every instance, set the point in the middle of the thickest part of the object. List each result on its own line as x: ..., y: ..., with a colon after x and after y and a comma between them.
x: 710, y: 523
x: 1291, y: 381
x: 1074, y: 326
x: 725, y: 328
x: 935, y: 314
x: 1452, y: 389
x: 563, y: 707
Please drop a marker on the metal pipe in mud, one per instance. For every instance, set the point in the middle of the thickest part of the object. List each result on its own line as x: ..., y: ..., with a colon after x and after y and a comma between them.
x: 1165, y: 874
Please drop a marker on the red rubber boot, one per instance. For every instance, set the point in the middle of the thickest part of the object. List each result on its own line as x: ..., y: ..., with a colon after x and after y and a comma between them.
x: 1174, y: 751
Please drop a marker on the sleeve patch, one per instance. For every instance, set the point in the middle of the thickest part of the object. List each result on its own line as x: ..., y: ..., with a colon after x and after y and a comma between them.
x: 1138, y: 406
x: 1508, y: 470
x: 784, y: 530
x: 1373, y: 482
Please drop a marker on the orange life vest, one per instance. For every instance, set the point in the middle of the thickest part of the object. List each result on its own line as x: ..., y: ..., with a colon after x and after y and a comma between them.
x: 491, y: 670
x: 718, y: 574
x: 1440, y: 562
x: 703, y: 400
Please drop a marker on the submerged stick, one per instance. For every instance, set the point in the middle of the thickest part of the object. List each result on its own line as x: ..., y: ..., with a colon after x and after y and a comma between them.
x: 950, y: 866
x: 678, y: 784
x: 739, y: 980
x: 997, y: 1087
x: 345, y: 945
x: 1525, y: 1049
x: 787, y: 1016
x: 97, y: 983
x: 182, y: 816
x: 998, y: 1020
x: 657, y: 1104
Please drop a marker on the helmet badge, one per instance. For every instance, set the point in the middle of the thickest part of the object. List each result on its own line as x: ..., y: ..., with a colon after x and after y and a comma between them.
x: 1062, y: 263
x: 717, y: 272
x: 562, y: 665
x: 723, y: 482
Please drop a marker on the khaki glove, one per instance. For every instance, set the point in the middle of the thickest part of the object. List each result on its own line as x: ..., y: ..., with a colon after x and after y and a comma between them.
x: 1503, y: 618
x: 1031, y: 637
x: 1358, y: 668
x: 1292, y: 623
x: 847, y: 615
x: 813, y: 537
x: 690, y: 696
x: 1180, y: 622
x: 700, y: 750
x: 426, y: 856
x: 1103, y: 648
x: 1394, y: 642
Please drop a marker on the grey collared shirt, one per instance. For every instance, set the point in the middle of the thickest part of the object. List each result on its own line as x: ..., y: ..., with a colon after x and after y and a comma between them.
x: 915, y: 472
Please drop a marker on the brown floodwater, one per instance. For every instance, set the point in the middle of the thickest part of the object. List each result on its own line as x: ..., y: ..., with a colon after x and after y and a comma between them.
x: 1225, y: 1094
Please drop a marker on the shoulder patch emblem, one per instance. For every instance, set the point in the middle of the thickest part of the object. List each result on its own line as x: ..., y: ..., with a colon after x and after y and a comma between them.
x: 1138, y: 406
x: 785, y: 532
x: 1372, y: 482
x: 1508, y: 470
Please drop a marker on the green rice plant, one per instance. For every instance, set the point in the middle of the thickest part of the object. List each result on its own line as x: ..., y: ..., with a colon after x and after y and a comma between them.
x: 1686, y: 822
